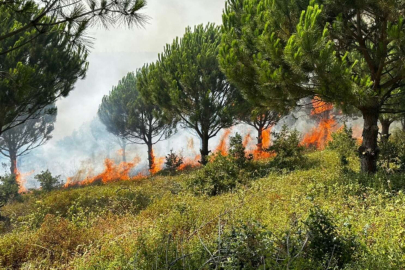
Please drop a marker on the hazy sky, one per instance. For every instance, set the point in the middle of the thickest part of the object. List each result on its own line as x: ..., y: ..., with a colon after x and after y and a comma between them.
x: 119, y: 50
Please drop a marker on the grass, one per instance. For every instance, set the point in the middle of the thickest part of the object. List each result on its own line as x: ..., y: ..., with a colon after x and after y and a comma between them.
x: 159, y: 223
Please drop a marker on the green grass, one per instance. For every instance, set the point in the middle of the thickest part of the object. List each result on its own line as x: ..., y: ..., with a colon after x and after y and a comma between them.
x: 157, y: 222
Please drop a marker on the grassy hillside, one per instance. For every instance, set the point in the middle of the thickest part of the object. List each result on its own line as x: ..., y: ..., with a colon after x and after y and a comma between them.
x: 281, y: 221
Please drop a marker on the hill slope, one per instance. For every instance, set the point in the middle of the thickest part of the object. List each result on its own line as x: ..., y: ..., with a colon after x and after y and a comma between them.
x: 159, y: 223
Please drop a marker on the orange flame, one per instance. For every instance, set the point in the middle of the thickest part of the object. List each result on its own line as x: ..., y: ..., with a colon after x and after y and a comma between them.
x: 157, y: 164
x: 321, y: 135
x: 259, y: 153
x: 111, y: 173
x: 21, y: 179
x: 222, y: 147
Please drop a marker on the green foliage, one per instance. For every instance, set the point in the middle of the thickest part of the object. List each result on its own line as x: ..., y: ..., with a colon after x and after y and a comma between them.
x: 237, y: 150
x: 344, y: 144
x: 156, y: 224
x: 8, y: 189
x: 47, y: 181
x: 173, y: 161
x: 35, y: 75
x: 301, y: 48
x: 187, y: 82
x: 326, y: 245
x: 221, y: 174
x: 289, y: 152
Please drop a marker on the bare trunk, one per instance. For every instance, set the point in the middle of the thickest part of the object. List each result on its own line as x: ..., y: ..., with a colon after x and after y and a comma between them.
x: 13, y: 161
x: 369, y: 150
x: 151, y: 157
x: 204, y: 150
x: 124, y: 155
x: 260, y: 139
x: 385, y: 129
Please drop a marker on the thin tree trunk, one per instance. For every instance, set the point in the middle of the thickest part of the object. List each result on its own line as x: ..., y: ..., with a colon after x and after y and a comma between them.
x: 204, y: 150
x: 260, y: 139
x: 13, y: 161
x: 151, y: 157
x: 369, y: 150
x: 385, y: 129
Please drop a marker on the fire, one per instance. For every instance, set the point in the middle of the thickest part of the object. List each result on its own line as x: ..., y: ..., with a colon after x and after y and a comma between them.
x: 321, y: 135
x: 157, y: 164
x: 111, y: 173
x: 247, y: 140
x: 222, y: 147
x: 259, y: 152
x: 190, y: 163
x: 20, y: 178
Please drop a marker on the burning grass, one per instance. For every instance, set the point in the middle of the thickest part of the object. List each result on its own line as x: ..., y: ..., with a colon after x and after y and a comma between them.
x: 107, y: 226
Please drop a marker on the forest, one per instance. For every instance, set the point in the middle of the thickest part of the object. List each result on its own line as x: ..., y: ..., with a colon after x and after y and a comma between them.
x: 296, y: 158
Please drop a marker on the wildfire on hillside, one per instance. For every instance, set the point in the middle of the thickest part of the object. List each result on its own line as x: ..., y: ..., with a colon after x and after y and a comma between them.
x: 111, y: 173
x: 322, y: 134
x: 21, y: 179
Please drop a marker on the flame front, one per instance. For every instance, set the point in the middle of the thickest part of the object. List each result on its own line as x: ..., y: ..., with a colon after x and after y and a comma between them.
x: 322, y: 134
x: 222, y: 147
x: 111, y: 173
x: 21, y: 179
x: 157, y: 163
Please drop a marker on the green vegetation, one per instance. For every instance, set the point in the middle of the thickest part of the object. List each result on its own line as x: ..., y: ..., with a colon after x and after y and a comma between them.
x: 187, y: 82
x: 344, y: 52
x: 47, y: 181
x: 320, y: 217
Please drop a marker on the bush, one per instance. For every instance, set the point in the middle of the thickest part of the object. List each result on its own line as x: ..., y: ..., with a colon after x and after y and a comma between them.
x: 173, y: 161
x: 326, y: 245
x: 344, y: 144
x: 221, y: 174
x: 237, y: 150
x: 289, y: 152
x: 47, y: 181
x: 8, y: 189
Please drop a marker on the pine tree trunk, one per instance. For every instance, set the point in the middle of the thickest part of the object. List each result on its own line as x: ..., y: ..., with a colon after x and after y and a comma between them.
x: 260, y: 139
x: 13, y: 161
x: 385, y: 129
x: 369, y: 149
x: 204, y: 150
x: 151, y: 157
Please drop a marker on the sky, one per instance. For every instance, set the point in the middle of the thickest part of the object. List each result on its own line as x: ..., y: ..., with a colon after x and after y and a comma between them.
x: 117, y: 51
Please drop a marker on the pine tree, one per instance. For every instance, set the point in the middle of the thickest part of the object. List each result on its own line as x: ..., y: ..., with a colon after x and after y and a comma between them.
x: 349, y: 53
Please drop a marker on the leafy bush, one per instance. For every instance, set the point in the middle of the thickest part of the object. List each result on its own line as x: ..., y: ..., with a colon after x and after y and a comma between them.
x: 326, y: 245
x: 344, y: 144
x: 221, y: 174
x: 289, y: 152
x: 173, y: 161
x: 237, y: 150
x: 8, y: 189
x: 47, y: 181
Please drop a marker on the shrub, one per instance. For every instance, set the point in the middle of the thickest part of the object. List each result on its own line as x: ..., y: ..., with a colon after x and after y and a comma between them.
x: 237, y: 150
x: 8, y: 189
x: 173, y: 161
x: 326, y: 245
x: 221, y: 174
x: 286, y: 146
x: 47, y: 181
x: 344, y: 144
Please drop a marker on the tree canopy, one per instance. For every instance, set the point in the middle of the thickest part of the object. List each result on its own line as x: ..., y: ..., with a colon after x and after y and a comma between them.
x: 34, y: 77
x: 348, y: 53
x: 187, y: 82
x: 26, y: 20
x: 128, y: 115
x: 22, y: 139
